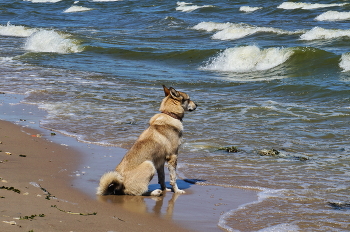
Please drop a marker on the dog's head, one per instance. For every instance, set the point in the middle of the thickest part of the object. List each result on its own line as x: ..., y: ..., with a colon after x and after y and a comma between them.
x: 176, y: 102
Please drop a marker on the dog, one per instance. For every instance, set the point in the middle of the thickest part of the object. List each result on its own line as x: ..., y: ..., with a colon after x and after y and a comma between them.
x: 158, y: 144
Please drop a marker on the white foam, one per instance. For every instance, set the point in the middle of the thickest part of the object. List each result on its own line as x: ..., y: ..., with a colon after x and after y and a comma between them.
x: 237, y: 31
x: 333, y: 16
x: 306, y: 6
x: 345, y: 62
x: 43, y: 1
x: 248, y: 59
x: 321, y: 33
x: 264, y: 193
x: 16, y: 31
x: 249, y: 8
x: 211, y: 26
x: 51, y: 41
x: 232, y: 31
x: 106, y: 0
x: 6, y: 59
x: 76, y: 9
x: 285, y: 227
x: 188, y: 7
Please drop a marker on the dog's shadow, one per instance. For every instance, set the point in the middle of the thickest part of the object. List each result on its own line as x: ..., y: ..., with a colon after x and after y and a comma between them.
x: 182, y: 184
x: 151, y: 204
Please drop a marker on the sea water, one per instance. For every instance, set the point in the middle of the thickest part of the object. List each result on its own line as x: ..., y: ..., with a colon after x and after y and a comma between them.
x: 265, y: 74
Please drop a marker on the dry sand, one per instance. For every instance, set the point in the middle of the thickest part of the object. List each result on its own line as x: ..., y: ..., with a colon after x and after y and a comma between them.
x: 40, y: 190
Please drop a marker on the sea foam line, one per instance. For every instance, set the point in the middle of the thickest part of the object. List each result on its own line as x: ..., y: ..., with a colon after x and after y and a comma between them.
x: 333, y: 16
x: 232, y: 31
x: 306, y: 6
x: 249, y: 9
x: 77, y: 9
x: 321, y: 33
x: 188, y: 7
x: 43, y: 1
x: 264, y: 193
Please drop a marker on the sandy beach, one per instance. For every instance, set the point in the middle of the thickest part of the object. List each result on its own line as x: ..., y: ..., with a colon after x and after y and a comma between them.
x: 43, y: 187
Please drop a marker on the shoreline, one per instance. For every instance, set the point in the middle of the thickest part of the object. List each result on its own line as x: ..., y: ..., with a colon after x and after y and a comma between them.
x: 72, y: 177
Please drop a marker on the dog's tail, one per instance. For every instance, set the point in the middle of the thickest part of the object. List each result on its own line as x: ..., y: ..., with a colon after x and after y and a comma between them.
x: 111, y: 183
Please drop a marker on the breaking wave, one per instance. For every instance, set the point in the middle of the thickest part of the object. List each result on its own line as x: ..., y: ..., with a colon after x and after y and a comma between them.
x: 321, y: 33
x: 333, y: 16
x: 16, y: 31
x: 345, y: 62
x: 77, y: 9
x: 211, y: 26
x: 232, y: 31
x: 249, y: 9
x: 51, y: 41
x: 306, y: 6
x: 189, y: 7
x: 106, y: 0
x: 248, y: 59
x: 43, y: 1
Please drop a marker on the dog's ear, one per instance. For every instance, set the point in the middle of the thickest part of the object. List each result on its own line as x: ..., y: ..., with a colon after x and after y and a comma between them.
x: 166, y: 90
x: 174, y: 93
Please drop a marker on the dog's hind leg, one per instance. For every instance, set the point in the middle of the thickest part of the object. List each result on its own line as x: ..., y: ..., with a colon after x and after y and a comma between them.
x: 172, y: 163
x: 136, y: 181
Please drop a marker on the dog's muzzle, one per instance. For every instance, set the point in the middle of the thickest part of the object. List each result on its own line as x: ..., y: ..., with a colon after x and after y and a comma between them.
x: 192, y: 106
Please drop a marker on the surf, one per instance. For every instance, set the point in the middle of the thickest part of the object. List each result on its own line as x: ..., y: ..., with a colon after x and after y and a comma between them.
x: 16, y: 31
x: 51, y: 41
x: 248, y: 59
x: 317, y: 33
x: 189, y: 7
x: 77, y: 9
x: 333, y: 16
x: 233, y: 31
x: 306, y: 6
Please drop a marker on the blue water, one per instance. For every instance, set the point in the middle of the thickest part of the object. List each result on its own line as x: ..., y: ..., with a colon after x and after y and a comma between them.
x: 272, y: 77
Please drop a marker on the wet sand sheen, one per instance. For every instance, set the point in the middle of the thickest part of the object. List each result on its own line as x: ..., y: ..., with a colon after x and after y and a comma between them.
x: 61, y: 196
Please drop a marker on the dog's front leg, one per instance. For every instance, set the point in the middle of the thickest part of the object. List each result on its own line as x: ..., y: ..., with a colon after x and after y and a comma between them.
x: 172, y: 163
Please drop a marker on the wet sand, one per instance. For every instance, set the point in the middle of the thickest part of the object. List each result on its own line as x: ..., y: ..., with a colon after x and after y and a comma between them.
x: 54, y: 178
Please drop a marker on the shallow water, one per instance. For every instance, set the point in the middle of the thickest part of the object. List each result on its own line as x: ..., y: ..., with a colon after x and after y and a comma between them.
x: 270, y: 75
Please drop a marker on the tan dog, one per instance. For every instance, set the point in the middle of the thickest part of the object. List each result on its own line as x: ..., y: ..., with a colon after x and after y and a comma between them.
x: 158, y: 143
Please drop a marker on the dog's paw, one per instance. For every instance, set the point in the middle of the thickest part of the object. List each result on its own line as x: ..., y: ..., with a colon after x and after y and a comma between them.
x: 156, y: 193
x: 167, y: 189
x: 179, y: 191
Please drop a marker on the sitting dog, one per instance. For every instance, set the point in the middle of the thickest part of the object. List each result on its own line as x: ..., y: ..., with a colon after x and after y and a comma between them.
x: 158, y: 144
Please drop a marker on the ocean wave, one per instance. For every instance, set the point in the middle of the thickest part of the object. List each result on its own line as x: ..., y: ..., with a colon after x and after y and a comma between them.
x: 249, y: 8
x: 345, y: 62
x: 237, y: 31
x: 51, y: 41
x: 263, y: 194
x: 188, y: 7
x: 106, y: 0
x: 285, y: 227
x: 211, y: 26
x: 232, y: 31
x: 16, y: 31
x: 43, y: 1
x: 76, y: 9
x: 306, y: 6
x: 248, y: 59
x: 321, y: 33
x: 333, y: 16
